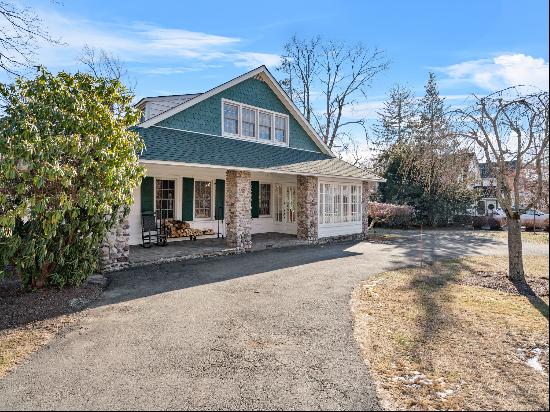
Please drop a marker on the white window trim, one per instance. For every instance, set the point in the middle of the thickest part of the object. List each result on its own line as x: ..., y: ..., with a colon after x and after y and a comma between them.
x: 212, y: 200
x: 175, y: 180
x: 270, y: 198
x: 360, y: 203
x: 256, y: 138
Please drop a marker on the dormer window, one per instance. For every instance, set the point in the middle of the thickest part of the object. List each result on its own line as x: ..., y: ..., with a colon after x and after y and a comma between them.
x: 230, y: 118
x: 249, y: 122
x: 254, y: 123
x: 280, y: 129
x: 265, y: 125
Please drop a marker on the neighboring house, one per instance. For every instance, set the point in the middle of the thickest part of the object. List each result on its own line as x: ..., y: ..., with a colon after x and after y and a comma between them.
x: 243, y: 152
x: 485, y: 183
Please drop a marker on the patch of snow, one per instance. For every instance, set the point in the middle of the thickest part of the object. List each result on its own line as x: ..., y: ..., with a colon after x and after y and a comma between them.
x: 534, y: 361
x: 445, y: 393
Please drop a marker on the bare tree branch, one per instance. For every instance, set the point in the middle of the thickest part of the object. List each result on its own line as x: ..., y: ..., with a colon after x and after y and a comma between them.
x: 20, y: 32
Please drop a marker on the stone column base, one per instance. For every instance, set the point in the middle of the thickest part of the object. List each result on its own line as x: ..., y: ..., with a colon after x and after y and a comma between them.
x: 238, y: 210
x: 114, y: 252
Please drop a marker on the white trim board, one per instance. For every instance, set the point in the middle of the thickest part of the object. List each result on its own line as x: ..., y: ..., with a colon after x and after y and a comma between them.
x: 250, y: 169
x: 263, y: 72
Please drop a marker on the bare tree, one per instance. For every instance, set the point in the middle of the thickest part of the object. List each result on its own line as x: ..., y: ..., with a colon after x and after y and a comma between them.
x: 20, y: 31
x: 106, y: 65
x: 341, y: 74
x: 511, y: 126
x: 300, y: 63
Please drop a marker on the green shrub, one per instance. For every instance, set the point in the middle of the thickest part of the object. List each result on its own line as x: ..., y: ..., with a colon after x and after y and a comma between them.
x: 68, y: 165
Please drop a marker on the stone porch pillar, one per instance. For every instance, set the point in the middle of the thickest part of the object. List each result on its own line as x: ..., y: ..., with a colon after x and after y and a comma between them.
x: 308, y: 209
x: 237, y: 210
x: 367, y: 189
x: 114, y: 251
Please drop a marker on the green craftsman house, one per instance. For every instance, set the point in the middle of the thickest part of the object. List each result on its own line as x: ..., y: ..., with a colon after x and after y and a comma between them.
x: 243, y: 158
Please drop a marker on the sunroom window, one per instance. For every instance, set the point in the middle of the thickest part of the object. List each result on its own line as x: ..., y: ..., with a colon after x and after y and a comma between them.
x: 230, y: 118
x: 339, y: 203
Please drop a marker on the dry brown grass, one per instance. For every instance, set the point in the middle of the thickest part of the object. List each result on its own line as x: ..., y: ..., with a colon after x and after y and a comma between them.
x: 19, y: 343
x: 434, y: 342
x: 538, y: 237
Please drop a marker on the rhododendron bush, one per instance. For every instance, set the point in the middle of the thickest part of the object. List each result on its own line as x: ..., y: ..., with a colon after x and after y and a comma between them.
x: 390, y: 214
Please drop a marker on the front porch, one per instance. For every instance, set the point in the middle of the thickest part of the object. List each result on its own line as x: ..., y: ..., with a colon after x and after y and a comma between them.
x: 206, y: 247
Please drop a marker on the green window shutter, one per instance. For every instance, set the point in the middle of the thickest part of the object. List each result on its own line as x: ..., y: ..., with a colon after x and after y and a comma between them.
x: 188, y: 195
x: 148, y: 195
x: 255, y: 200
x: 219, y: 213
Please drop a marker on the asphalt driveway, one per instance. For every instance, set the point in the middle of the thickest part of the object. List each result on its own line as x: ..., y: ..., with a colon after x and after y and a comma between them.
x: 267, y: 330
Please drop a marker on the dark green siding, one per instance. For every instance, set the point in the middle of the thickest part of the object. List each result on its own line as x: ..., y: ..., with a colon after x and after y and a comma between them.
x: 187, y: 203
x: 255, y: 198
x: 220, y: 199
x: 205, y: 117
x: 148, y: 195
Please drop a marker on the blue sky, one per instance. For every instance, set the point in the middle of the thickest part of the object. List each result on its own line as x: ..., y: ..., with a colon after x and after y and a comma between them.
x: 173, y: 47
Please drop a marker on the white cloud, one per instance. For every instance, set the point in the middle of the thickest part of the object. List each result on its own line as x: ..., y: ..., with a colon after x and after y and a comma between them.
x: 500, y: 72
x: 251, y: 59
x: 367, y: 110
x: 144, y: 43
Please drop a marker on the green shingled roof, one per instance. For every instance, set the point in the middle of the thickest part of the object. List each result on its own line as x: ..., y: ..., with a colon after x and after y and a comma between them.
x: 187, y: 147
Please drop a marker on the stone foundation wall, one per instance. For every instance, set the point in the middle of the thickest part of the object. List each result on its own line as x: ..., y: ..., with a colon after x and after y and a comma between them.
x: 237, y: 210
x: 308, y: 209
x: 114, y: 252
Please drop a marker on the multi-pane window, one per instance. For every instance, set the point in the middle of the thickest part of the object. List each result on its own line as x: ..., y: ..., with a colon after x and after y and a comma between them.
x: 203, y: 199
x: 255, y: 123
x: 230, y: 118
x: 265, y: 126
x: 339, y: 203
x: 165, y: 194
x: 249, y: 122
x: 265, y: 199
x: 355, y: 204
x: 280, y: 129
x: 278, y: 202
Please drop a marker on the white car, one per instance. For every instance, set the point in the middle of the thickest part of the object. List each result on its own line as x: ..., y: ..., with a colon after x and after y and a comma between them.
x: 527, y: 218
x: 532, y: 217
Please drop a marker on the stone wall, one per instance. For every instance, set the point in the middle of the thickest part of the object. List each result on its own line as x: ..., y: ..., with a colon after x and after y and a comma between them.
x: 308, y: 210
x: 114, y: 252
x: 237, y: 210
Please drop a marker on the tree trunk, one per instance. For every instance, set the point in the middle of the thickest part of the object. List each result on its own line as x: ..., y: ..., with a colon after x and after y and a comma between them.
x: 515, y: 254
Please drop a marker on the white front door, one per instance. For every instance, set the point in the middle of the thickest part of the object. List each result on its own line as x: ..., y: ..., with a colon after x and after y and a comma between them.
x: 284, y: 206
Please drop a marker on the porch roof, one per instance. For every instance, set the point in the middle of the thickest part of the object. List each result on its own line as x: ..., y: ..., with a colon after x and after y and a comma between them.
x: 178, y: 146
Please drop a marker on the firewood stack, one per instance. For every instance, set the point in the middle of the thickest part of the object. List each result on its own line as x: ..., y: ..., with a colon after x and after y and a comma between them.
x: 179, y: 228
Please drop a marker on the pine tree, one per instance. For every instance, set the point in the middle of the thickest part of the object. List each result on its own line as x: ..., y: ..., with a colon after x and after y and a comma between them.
x: 397, y: 117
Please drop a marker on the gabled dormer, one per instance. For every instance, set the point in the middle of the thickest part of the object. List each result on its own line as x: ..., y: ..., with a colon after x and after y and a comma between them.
x: 251, y: 107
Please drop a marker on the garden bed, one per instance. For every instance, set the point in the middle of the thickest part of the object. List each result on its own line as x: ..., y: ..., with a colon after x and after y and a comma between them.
x: 456, y: 335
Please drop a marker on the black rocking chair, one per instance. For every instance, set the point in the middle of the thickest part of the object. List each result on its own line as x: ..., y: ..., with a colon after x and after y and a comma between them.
x: 153, y: 228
